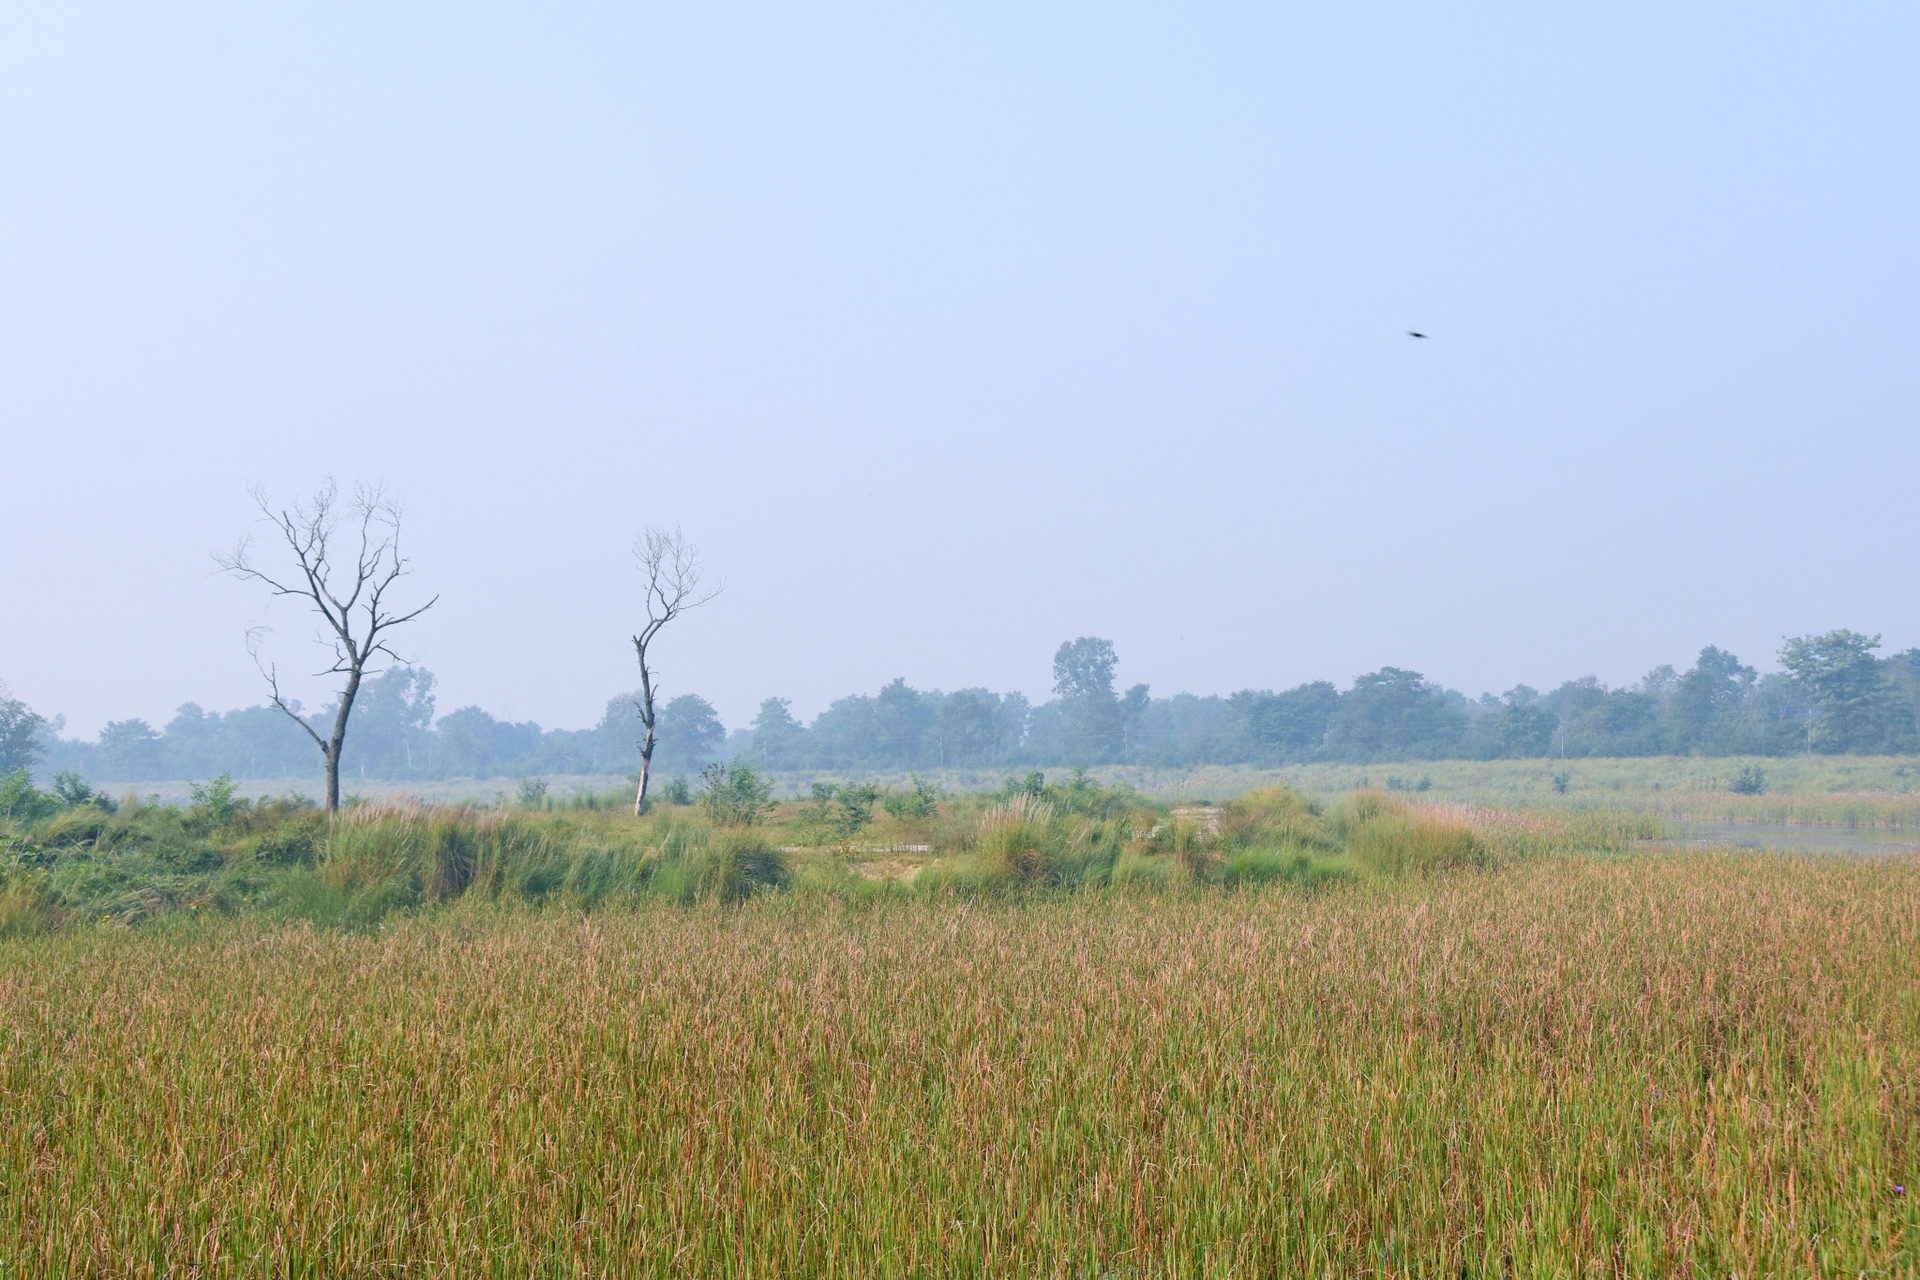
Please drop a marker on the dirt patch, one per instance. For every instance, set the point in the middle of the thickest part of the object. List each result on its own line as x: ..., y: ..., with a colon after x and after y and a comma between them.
x: 899, y: 870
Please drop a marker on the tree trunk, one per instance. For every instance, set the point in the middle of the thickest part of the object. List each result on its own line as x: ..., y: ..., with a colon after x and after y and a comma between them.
x: 646, y: 761
x: 338, y: 739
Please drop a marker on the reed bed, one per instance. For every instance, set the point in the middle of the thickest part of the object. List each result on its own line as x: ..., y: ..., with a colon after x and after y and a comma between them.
x: 1643, y: 1065
x: 1891, y: 812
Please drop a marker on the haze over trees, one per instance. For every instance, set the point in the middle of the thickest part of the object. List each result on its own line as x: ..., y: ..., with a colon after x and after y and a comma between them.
x: 1834, y: 694
x: 20, y: 733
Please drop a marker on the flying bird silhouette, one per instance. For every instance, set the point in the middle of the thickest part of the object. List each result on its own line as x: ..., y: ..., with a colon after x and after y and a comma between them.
x: 1415, y: 333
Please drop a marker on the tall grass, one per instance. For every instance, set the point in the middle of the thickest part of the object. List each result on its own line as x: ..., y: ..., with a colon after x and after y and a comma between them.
x: 1897, y: 812
x: 1641, y: 1066
x: 379, y: 859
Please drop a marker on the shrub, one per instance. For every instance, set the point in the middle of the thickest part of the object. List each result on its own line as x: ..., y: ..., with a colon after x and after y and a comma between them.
x: 21, y: 800
x: 215, y: 802
x: 1749, y: 781
x: 919, y: 801
x: 839, y: 812
x: 72, y: 791
x: 735, y: 794
x: 72, y: 828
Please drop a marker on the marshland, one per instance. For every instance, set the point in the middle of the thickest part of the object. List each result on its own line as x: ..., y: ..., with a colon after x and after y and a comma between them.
x: 1096, y: 642
x: 1055, y: 1029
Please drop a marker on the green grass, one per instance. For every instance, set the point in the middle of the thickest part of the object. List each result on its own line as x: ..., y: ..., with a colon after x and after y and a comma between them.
x: 1607, y: 781
x: 286, y: 862
x: 1836, y: 790
x: 1651, y: 1065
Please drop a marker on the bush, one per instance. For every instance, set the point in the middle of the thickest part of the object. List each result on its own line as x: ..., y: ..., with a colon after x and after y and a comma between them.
x: 735, y: 795
x: 214, y: 802
x: 1749, y: 781
x: 839, y: 812
x: 455, y: 858
x: 919, y: 801
x: 73, y: 792
x: 21, y: 801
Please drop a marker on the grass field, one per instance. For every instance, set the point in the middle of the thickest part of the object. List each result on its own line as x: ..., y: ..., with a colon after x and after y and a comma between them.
x: 1859, y: 790
x: 1067, y: 1032
x: 1567, y: 1066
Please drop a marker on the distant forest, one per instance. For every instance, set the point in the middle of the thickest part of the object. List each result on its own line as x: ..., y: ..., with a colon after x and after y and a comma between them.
x: 1833, y: 693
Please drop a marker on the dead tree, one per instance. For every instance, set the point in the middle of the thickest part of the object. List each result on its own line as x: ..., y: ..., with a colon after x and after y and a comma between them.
x: 351, y: 595
x: 673, y: 572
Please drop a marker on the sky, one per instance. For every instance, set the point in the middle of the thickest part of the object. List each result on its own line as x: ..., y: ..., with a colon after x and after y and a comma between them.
x: 948, y: 333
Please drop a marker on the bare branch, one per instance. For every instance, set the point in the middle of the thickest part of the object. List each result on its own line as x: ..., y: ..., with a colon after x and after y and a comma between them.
x: 272, y: 677
x: 353, y: 601
x: 673, y: 571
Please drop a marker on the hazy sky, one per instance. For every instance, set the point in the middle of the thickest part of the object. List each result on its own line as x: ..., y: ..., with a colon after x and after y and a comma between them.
x: 951, y: 334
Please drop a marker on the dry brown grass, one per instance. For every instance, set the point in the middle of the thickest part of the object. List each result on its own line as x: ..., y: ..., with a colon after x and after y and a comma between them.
x: 1634, y: 1066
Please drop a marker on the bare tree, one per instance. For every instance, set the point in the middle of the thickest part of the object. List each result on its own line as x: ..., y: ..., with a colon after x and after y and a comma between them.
x: 352, y: 596
x: 673, y: 570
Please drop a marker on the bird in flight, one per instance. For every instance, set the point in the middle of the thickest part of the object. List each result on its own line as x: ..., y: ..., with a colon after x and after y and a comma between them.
x: 1415, y: 333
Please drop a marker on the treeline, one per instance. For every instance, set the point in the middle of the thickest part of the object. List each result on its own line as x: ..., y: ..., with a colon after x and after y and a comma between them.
x: 1833, y: 693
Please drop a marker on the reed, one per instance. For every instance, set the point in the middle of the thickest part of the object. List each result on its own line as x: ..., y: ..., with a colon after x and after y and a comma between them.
x: 1652, y: 1065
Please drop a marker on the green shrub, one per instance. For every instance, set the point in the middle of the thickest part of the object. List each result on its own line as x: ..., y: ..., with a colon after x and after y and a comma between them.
x: 72, y: 791
x: 21, y: 801
x: 917, y: 803
x: 215, y: 801
x: 838, y: 812
x: 455, y: 856
x: 735, y: 794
